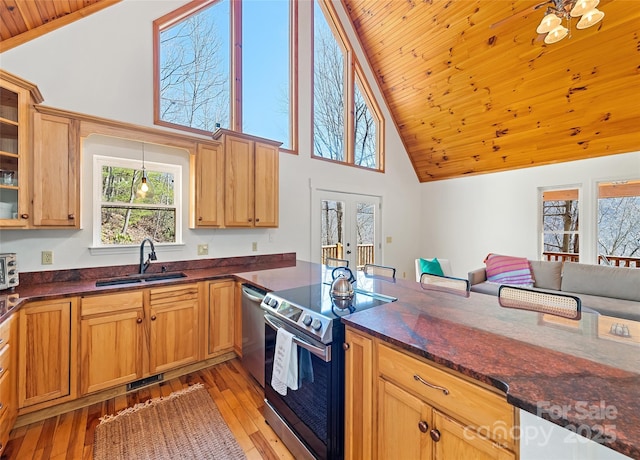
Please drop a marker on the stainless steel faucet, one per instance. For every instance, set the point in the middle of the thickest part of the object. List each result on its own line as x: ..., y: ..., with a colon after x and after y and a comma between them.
x: 152, y: 255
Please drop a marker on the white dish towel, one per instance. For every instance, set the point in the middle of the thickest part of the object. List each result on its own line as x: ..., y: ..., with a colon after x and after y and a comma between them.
x: 285, y: 363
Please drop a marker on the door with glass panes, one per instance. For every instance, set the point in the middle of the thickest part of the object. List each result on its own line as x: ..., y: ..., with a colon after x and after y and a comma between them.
x: 347, y: 227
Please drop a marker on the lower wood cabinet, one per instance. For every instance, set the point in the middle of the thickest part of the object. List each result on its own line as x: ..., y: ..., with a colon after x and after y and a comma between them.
x: 130, y: 335
x: 111, y: 339
x: 173, y: 326
x: 421, y: 411
x: 219, y: 317
x: 47, y: 353
x: 8, y: 395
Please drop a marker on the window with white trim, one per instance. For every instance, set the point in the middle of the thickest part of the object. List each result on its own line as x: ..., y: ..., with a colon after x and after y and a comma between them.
x: 124, y: 214
x: 560, y: 225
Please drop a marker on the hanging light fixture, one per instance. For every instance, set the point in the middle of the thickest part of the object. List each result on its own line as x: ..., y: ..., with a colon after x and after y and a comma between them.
x: 144, y: 187
x: 551, y: 23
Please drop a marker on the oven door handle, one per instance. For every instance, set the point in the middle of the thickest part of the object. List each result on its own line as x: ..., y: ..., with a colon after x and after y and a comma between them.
x: 322, y: 353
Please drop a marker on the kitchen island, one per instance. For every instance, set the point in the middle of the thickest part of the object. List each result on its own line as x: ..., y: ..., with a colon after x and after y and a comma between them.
x: 571, y: 373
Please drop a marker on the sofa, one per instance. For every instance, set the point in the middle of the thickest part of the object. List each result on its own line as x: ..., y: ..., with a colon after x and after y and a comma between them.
x: 611, y: 291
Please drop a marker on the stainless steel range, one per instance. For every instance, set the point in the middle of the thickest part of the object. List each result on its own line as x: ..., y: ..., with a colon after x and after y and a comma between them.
x: 310, y: 419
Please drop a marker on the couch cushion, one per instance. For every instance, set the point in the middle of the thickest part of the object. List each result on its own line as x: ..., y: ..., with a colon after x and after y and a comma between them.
x: 600, y: 280
x: 626, y: 309
x: 547, y: 274
x: 508, y: 270
x: 486, y: 288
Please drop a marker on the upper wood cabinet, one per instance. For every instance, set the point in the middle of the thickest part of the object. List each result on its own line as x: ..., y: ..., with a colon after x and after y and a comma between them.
x: 251, y: 187
x: 207, y: 179
x: 56, y: 162
x: 17, y: 97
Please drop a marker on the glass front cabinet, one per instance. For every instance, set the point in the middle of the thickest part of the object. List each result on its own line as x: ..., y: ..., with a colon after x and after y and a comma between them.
x: 17, y: 98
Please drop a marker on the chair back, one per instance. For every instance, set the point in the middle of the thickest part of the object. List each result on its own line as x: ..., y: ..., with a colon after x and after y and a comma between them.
x: 379, y: 270
x: 564, y: 305
x: 450, y: 284
x: 333, y: 262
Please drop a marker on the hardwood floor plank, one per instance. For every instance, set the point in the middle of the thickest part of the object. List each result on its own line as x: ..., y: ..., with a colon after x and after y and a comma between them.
x: 237, y: 395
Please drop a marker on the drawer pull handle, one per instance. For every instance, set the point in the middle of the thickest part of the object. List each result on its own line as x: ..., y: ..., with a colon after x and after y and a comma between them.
x: 1, y: 370
x: 1, y: 340
x: 430, y: 385
x: 423, y: 426
x: 1, y: 406
x: 435, y: 435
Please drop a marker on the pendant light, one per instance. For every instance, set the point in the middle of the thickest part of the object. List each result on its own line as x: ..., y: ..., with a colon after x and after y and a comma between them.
x: 144, y: 187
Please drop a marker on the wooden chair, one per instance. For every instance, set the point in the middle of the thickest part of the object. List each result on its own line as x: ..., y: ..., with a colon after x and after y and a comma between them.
x: 333, y: 262
x: 450, y: 284
x: 564, y: 305
x: 379, y: 270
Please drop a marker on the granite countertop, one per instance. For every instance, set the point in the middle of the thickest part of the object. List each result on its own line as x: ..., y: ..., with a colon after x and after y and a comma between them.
x: 540, y: 362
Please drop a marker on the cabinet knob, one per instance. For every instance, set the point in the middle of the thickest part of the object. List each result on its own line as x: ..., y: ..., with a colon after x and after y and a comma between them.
x: 139, y: 320
x: 71, y: 216
x: 435, y: 435
x: 345, y: 346
x: 153, y: 318
x: 24, y: 216
x: 200, y: 218
x: 250, y: 219
x: 257, y: 220
x: 423, y: 426
x: 1, y: 406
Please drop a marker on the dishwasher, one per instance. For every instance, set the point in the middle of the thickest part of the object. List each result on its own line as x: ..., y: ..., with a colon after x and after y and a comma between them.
x: 253, y: 332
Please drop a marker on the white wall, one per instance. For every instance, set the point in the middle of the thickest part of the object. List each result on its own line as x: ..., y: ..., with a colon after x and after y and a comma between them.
x: 465, y: 219
x: 102, y: 66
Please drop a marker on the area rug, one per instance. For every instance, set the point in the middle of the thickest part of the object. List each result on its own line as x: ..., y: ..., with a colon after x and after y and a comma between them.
x: 184, y: 425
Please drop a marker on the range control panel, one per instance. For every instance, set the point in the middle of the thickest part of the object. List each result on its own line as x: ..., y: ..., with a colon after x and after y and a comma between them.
x: 312, y: 323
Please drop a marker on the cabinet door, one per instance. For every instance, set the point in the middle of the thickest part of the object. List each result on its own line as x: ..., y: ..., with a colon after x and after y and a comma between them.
x: 15, y: 130
x: 454, y: 440
x: 359, y: 382
x: 209, y: 186
x: 266, y: 185
x: 46, y: 352
x: 239, y: 182
x: 220, y: 318
x: 111, y: 349
x: 404, y: 422
x: 174, y: 327
x: 56, y: 185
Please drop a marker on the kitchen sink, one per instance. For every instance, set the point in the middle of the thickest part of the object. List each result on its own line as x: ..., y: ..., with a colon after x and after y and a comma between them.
x: 139, y: 278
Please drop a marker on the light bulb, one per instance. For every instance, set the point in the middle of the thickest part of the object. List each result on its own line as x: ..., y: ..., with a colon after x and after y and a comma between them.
x: 590, y: 18
x: 548, y: 23
x: 556, y: 35
x: 144, y: 187
x: 583, y: 6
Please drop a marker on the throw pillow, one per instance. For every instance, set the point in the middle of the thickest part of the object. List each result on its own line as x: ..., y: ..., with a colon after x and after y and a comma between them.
x: 508, y: 270
x: 431, y: 267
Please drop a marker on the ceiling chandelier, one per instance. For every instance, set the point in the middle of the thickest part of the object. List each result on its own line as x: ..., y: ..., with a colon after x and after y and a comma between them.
x: 551, y: 24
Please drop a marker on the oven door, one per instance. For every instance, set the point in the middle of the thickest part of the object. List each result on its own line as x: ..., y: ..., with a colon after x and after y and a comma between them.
x: 315, y: 411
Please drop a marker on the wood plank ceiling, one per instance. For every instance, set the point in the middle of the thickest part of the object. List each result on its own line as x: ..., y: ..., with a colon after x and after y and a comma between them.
x: 473, y: 89
x: 470, y: 85
x: 24, y: 20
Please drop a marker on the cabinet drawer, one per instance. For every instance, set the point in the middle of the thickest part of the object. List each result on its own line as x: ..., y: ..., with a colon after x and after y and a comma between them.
x: 100, y: 304
x: 5, y: 360
x: 5, y: 330
x: 465, y: 401
x: 173, y: 294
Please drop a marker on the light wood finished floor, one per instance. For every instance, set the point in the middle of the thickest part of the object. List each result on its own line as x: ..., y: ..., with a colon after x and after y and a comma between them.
x: 237, y: 395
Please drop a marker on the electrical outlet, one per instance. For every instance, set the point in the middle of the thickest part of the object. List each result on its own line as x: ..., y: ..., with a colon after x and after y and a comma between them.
x: 203, y: 249
x: 254, y: 246
x: 47, y: 257
x: 389, y: 239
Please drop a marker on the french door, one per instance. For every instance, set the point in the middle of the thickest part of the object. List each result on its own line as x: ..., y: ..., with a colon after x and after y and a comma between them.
x: 346, y: 226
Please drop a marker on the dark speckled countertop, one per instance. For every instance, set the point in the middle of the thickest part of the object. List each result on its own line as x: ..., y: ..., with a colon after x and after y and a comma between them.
x: 536, y: 360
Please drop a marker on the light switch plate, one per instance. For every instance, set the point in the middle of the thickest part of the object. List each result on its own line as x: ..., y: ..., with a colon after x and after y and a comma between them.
x: 254, y: 246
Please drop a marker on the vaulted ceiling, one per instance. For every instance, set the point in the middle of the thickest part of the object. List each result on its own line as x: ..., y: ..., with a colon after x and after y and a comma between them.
x: 471, y: 86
